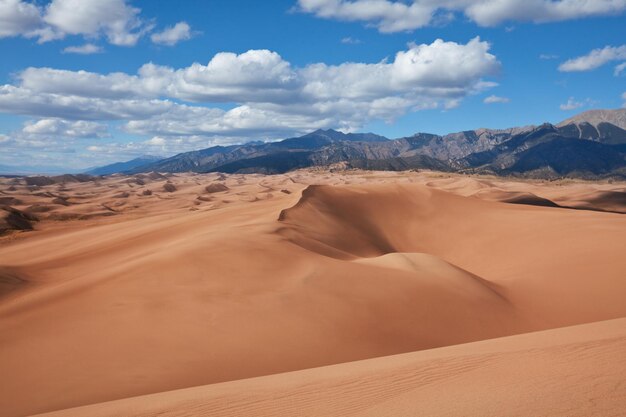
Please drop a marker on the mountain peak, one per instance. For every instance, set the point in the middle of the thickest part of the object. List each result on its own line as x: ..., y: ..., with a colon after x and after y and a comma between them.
x: 328, y: 133
x: 320, y: 131
x: 337, y: 136
x: 615, y: 117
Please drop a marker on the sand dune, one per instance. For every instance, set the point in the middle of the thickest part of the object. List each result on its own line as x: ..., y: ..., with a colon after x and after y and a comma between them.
x: 573, y: 371
x: 347, y: 223
x: 123, y: 292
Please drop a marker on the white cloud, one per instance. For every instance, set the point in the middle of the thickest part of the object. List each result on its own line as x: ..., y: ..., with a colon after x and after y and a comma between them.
x: 50, y: 139
x: 156, y: 140
x: 494, y: 12
x: 388, y: 16
x: 350, y: 41
x: 396, y: 16
x: 422, y: 75
x: 496, y: 99
x: 115, y: 20
x: 64, y: 128
x: 19, y: 100
x: 18, y: 18
x: 86, y: 49
x: 181, y: 31
x: 265, y: 96
x: 624, y: 98
x: 571, y: 104
x: 437, y: 65
x: 255, y: 76
x: 619, y: 69
x: 80, y: 83
x: 594, y: 59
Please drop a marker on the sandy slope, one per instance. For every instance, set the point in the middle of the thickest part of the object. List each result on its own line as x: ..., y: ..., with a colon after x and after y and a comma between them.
x: 120, y: 293
x: 572, y: 371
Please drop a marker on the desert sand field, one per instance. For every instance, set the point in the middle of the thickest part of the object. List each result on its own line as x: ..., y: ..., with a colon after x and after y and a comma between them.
x: 411, y: 293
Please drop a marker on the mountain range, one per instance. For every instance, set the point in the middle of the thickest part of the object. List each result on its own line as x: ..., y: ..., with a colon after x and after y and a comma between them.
x: 123, y: 166
x: 589, y: 145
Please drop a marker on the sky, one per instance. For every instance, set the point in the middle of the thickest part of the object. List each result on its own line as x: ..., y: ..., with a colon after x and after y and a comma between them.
x: 84, y: 83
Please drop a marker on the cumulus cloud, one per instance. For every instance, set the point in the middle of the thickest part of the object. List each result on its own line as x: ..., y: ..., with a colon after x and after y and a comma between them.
x: 18, y: 18
x: 117, y: 21
x: 256, y: 75
x: 571, y: 104
x: 158, y: 141
x: 19, y: 100
x: 395, y: 16
x: 496, y: 99
x: 263, y: 76
x: 494, y: 12
x: 264, y: 96
x: 50, y: 140
x: 388, y: 16
x: 181, y: 31
x: 595, y: 59
x: 86, y: 49
x: 434, y: 65
x: 64, y: 128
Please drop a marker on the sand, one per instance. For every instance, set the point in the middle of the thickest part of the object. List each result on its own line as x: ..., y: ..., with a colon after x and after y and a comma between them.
x: 122, y: 293
x: 572, y: 371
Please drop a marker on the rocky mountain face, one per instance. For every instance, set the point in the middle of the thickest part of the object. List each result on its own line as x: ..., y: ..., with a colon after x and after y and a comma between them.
x: 458, y: 145
x: 594, y: 118
x: 592, y: 144
x: 549, y: 151
x: 273, y: 157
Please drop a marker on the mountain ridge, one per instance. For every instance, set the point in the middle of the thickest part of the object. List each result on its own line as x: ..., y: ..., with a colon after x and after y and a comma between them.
x: 544, y: 151
x: 117, y: 167
x: 615, y: 117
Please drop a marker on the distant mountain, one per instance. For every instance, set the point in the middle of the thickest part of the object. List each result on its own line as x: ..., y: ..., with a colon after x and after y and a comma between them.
x: 592, y: 144
x: 594, y: 118
x: 321, y: 137
x: 561, y: 157
x: 549, y: 151
x: 120, y: 167
x: 458, y: 145
x: 271, y: 157
x: 605, y: 126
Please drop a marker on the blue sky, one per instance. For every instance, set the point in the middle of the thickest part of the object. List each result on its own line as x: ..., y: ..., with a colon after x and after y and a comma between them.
x: 312, y: 64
